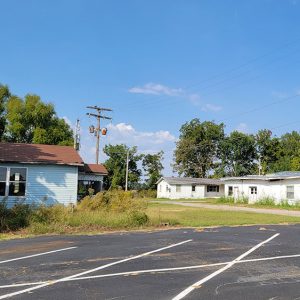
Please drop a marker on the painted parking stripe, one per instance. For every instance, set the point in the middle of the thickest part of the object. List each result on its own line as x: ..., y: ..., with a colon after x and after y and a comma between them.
x: 90, y: 271
x: 197, y: 284
x: 137, y: 272
x: 35, y: 255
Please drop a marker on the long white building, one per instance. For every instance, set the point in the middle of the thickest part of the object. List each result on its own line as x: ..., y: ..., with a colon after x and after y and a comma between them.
x: 278, y: 186
x: 179, y: 188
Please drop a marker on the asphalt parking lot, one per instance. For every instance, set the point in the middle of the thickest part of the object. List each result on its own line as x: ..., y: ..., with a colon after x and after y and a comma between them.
x: 256, y: 262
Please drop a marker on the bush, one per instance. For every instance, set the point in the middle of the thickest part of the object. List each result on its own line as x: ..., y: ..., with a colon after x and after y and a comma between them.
x: 242, y: 200
x: 146, y: 194
x: 115, y: 201
x: 225, y: 200
x: 50, y: 214
x: 268, y: 201
x: 139, y: 218
x: 14, y: 218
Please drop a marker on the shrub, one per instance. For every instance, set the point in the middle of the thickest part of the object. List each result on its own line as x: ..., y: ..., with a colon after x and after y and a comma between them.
x: 14, y: 218
x: 146, y: 194
x: 242, y: 200
x: 50, y: 214
x: 269, y: 201
x: 139, y: 218
x: 225, y: 200
x: 116, y: 201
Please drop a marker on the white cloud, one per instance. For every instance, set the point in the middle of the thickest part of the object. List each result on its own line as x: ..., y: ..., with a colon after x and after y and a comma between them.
x: 122, y: 133
x: 242, y: 127
x: 160, y: 89
x: 211, y: 107
x: 156, y: 89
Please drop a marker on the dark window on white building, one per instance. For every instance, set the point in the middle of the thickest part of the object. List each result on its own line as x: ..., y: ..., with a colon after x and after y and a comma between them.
x: 3, y: 177
x: 17, y: 182
x: 193, y: 188
x: 253, y: 190
x: 230, y: 190
x: 212, y: 189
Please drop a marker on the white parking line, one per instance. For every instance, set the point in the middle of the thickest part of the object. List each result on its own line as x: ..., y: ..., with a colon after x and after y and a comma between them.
x: 90, y: 271
x: 35, y: 255
x: 197, y: 284
x: 137, y: 272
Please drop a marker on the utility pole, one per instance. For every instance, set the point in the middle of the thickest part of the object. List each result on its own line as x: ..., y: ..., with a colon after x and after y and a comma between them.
x: 97, y: 130
x: 127, y: 167
x: 77, y: 135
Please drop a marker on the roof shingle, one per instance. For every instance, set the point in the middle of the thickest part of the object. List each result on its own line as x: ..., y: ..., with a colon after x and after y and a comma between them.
x: 39, y: 154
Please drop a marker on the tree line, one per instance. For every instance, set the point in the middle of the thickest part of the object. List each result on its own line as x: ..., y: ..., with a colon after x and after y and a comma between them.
x: 204, y: 150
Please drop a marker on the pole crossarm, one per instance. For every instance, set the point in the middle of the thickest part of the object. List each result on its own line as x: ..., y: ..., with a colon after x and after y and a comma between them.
x: 98, y: 116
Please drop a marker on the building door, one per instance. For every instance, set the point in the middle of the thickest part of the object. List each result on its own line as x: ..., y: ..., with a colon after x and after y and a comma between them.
x: 252, y: 194
x: 236, y: 193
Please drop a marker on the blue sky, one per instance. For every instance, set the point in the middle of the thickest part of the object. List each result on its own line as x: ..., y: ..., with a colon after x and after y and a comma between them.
x: 157, y: 64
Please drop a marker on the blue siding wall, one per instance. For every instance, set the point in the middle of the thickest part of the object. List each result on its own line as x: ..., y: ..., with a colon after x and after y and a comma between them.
x: 48, y: 184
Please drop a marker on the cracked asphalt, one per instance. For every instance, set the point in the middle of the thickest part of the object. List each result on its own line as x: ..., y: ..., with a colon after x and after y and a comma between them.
x: 264, y: 279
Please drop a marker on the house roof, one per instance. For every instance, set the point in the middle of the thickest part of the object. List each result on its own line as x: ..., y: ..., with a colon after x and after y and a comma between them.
x: 188, y: 180
x: 267, y: 177
x: 39, y: 154
x: 94, y: 168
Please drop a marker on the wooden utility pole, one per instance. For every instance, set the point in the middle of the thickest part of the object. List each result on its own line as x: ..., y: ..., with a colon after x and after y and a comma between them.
x: 127, y: 170
x: 98, y: 116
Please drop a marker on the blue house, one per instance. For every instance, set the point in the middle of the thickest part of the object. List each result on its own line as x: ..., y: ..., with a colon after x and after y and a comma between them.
x: 33, y: 173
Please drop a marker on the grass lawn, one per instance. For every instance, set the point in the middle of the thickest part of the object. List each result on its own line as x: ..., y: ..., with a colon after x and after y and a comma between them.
x: 160, y: 213
x: 218, y: 201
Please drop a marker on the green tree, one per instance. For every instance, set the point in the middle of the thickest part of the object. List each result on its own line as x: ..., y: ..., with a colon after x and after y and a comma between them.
x: 116, y: 166
x: 4, y: 96
x: 33, y: 121
x: 197, y: 148
x: 268, y: 149
x: 152, y: 166
x: 288, y: 154
x: 238, y: 154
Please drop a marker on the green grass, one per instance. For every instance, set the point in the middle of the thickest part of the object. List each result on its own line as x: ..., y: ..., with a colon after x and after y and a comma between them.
x: 160, y: 213
x: 263, y: 203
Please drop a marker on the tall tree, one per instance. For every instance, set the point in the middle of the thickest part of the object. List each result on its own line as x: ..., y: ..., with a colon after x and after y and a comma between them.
x: 197, y: 148
x: 33, y: 121
x: 152, y: 165
x: 238, y: 154
x: 288, y: 154
x: 116, y: 166
x: 268, y: 149
x: 4, y: 95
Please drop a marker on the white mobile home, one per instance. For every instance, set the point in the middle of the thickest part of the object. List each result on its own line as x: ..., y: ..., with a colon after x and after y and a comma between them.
x: 177, y: 188
x: 279, y: 186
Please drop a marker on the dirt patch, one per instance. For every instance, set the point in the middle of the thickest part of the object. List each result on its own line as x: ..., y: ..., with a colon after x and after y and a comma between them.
x: 37, y: 247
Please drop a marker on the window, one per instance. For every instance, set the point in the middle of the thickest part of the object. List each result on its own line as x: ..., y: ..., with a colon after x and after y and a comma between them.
x: 17, y: 182
x: 253, y: 190
x: 178, y: 188
x: 290, y: 192
x: 230, y: 190
x: 193, y: 188
x: 160, y: 187
x: 3, y: 176
x: 212, y: 189
x: 167, y: 189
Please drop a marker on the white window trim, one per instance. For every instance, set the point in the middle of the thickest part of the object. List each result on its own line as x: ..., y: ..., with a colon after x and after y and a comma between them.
x: 8, y: 181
